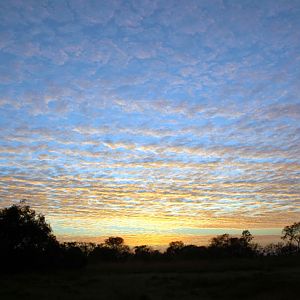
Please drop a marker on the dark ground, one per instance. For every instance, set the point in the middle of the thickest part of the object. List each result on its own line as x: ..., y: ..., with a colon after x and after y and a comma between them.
x: 259, y: 278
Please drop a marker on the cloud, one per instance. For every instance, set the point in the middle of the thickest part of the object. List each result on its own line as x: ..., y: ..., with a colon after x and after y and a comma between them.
x: 172, y: 114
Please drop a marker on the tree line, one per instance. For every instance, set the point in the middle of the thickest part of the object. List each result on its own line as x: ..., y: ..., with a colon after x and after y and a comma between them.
x: 27, y: 241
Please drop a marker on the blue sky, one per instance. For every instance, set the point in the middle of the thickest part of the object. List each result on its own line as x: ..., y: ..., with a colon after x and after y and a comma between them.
x: 151, y: 117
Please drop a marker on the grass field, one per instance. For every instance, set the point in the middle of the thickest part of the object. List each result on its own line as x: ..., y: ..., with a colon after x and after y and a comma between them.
x: 259, y: 278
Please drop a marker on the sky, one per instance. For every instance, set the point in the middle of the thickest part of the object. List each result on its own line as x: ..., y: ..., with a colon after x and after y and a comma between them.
x: 153, y: 118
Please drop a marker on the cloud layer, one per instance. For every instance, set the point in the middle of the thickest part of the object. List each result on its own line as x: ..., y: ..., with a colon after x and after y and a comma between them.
x: 151, y: 116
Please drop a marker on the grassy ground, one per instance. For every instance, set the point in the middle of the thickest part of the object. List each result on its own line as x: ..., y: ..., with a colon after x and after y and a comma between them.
x: 267, y: 278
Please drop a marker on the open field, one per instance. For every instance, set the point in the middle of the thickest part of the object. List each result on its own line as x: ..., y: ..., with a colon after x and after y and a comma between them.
x: 260, y: 278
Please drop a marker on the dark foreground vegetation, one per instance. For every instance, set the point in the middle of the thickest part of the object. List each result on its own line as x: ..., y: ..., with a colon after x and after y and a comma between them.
x: 35, y: 265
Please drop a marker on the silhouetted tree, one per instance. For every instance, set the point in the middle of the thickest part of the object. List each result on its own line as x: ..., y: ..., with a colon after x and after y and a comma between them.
x: 292, y: 234
x: 145, y: 253
x: 174, y: 248
x: 220, y: 241
x: 225, y: 245
x: 25, y: 237
x: 112, y: 249
x: 142, y: 251
x: 247, y: 237
x: 114, y: 242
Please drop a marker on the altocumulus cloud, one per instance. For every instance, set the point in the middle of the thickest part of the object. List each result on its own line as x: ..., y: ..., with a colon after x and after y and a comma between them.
x: 152, y: 114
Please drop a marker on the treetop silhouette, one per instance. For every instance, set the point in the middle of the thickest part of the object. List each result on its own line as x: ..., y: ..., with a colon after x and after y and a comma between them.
x: 27, y: 240
x: 292, y: 234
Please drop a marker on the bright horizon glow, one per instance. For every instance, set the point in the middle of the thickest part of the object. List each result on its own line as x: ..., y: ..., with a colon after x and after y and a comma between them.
x: 151, y: 119
x: 161, y: 242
